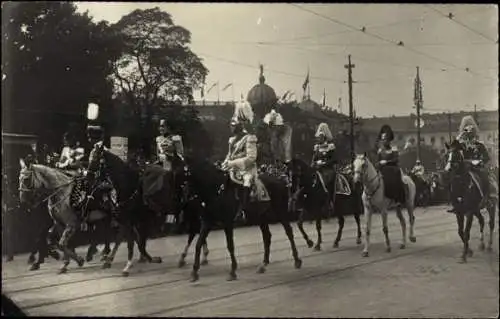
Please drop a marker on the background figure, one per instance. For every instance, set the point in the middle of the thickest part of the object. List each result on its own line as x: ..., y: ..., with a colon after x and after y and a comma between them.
x: 281, y: 137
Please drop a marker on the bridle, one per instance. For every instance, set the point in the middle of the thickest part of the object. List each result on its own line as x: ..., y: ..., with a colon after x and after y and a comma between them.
x: 368, y: 183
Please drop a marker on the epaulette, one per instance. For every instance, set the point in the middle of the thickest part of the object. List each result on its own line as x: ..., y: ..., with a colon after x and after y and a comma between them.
x: 176, y: 138
x: 316, y: 147
x: 231, y: 139
x: 394, y: 148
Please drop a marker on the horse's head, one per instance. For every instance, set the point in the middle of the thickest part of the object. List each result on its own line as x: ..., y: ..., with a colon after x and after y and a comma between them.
x: 29, y: 180
x: 454, y: 157
x: 360, y: 166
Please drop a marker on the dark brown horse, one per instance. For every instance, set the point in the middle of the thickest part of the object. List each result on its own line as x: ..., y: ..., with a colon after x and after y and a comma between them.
x: 307, y: 190
x: 219, y: 195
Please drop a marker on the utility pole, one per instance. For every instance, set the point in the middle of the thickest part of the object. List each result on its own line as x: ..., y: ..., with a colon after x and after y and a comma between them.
x: 349, y: 68
x: 449, y: 126
x: 475, y: 114
x: 418, y: 105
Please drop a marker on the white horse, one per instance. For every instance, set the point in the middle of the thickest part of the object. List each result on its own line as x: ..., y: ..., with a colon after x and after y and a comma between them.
x: 375, y: 200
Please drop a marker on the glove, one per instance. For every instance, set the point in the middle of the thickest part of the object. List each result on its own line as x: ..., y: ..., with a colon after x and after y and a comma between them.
x: 476, y: 162
x: 383, y: 162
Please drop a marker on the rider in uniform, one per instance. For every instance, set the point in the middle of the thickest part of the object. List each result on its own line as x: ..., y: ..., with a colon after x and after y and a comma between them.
x: 102, y: 182
x: 388, y: 162
x: 474, y: 150
x: 170, y: 155
x: 71, y: 154
x: 241, y: 159
x: 324, y: 158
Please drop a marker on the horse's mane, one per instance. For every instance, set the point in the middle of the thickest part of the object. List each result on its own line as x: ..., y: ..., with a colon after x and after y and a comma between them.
x: 123, y: 174
x: 57, y: 175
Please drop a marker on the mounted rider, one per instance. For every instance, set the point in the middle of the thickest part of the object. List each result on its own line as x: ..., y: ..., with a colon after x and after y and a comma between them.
x: 241, y: 159
x: 71, y: 154
x: 324, y: 159
x: 280, y: 137
x: 388, y: 162
x: 475, y: 152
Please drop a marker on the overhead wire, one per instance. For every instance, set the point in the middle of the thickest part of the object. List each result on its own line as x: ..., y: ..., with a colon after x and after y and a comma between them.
x: 452, y: 18
x: 397, y: 43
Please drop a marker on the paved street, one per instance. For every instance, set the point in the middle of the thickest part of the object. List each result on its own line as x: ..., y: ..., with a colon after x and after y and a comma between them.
x: 424, y: 280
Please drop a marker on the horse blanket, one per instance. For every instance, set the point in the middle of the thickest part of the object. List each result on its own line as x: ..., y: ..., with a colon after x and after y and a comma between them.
x: 342, y: 186
x: 153, y: 180
x: 258, y: 191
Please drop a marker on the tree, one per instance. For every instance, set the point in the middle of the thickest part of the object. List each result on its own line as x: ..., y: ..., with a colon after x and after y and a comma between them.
x: 156, y: 65
x: 54, y: 62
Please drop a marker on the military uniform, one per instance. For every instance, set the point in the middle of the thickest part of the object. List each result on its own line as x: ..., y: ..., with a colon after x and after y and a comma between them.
x: 388, y: 162
x: 281, y: 135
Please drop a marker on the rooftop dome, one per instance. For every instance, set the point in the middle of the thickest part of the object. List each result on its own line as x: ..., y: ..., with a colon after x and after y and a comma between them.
x: 313, y: 108
x: 262, y: 97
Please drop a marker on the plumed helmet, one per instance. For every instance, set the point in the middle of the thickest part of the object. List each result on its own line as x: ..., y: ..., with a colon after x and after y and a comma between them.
x: 386, y: 133
x: 243, y: 113
x: 324, y: 130
x: 469, y: 125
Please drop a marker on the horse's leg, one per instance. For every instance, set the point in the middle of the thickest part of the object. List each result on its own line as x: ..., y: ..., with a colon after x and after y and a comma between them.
x: 368, y: 226
x: 341, y: 221
x: 108, y: 231
x: 317, y: 247
x: 92, y: 250
x: 480, y: 218
x: 289, y: 234
x: 468, y: 225
x: 204, y: 231
x: 182, y: 260
x: 229, y: 231
x: 68, y: 233
x: 491, y: 212
x: 120, y: 235
x: 385, y: 229
x: 358, y: 224
x: 130, y: 251
x: 204, y: 261
x: 266, y: 237
x: 300, y: 224
x: 460, y: 224
x: 411, y: 215
x: 402, y: 221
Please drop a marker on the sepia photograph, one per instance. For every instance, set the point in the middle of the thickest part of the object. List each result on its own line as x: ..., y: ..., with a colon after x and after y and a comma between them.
x: 211, y: 159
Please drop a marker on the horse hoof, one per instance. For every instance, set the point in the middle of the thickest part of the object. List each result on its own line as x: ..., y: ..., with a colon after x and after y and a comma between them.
x: 335, y: 245
x: 181, y: 263
x: 358, y: 241
x: 89, y: 258
x: 31, y: 259
x: 470, y: 253
x: 310, y: 244
x: 413, y: 239
x: 125, y: 273
x: 388, y: 250
x: 298, y: 263
x: 62, y: 271
x: 261, y: 269
x: 34, y: 266
x: 462, y: 260
x: 104, y: 257
x: 365, y: 254
x: 482, y: 247
x: 156, y: 260
x: 194, y: 277
x: 106, y: 265
x: 232, y: 277
x: 402, y: 246
x: 80, y: 261
x: 317, y: 248
x: 142, y: 260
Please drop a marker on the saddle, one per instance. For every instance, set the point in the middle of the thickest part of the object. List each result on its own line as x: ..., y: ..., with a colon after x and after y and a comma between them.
x: 342, y: 186
x: 258, y: 192
x: 153, y: 180
x: 394, y: 188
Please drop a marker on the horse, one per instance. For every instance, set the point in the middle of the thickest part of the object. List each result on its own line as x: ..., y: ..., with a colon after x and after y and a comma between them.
x: 35, y: 177
x: 374, y: 199
x: 133, y: 214
x: 466, y: 198
x: 306, y: 186
x: 219, y: 194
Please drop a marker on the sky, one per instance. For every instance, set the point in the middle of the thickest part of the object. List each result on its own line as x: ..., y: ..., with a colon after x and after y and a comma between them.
x: 458, y: 57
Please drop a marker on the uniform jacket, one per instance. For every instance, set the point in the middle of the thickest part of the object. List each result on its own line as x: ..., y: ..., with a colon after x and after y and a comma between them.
x: 475, y: 150
x: 70, y: 156
x: 390, y: 155
x: 242, y: 155
x: 173, y: 145
x: 324, y: 155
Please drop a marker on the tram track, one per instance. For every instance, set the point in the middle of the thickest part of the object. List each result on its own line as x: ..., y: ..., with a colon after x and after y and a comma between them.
x: 276, y: 239
x: 209, y: 273
x: 158, y: 269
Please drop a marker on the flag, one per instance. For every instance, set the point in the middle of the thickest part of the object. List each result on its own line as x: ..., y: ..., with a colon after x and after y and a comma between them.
x: 324, y: 98
x: 211, y: 87
x: 227, y: 86
x: 306, y: 82
x: 417, y: 94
